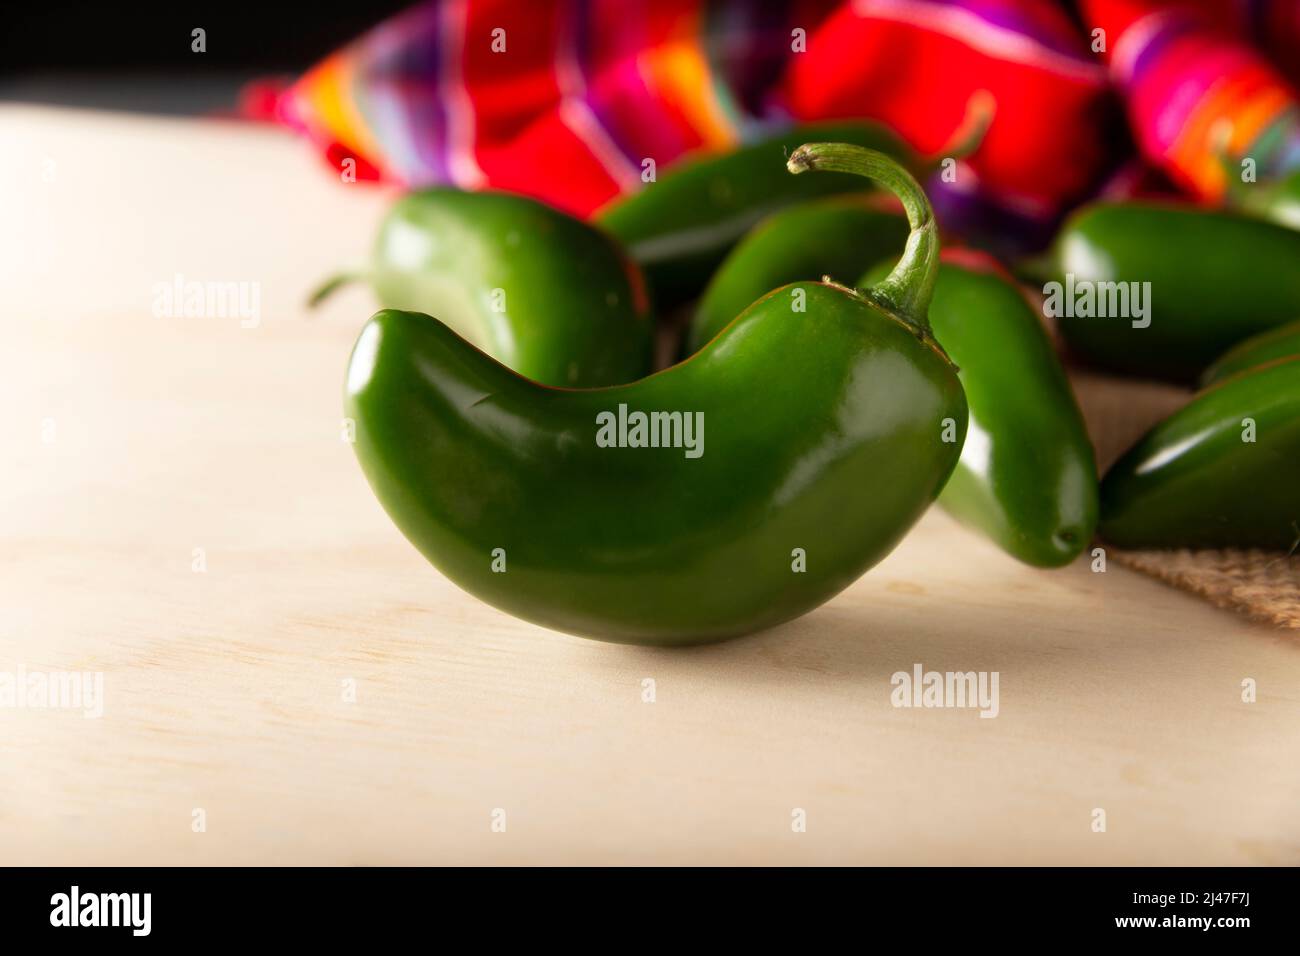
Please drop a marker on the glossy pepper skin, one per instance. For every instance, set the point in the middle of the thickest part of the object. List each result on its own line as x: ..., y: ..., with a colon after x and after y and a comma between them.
x: 1280, y: 343
x: 1027, y: 477
x: 822, y: 442
x: 680, y: 227
x: 836, y: 237
x: 546, y: 294
x: 1193, y: 482
x: 1215, y: 278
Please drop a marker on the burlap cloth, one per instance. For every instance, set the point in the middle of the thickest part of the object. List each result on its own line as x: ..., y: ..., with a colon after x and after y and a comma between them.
x: 1263, y: 584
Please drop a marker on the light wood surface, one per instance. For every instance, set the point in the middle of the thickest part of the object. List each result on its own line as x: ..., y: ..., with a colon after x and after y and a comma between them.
x: 224, y: 690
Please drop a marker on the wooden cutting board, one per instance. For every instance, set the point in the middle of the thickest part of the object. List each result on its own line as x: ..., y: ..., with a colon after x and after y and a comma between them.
x: 322, y: 695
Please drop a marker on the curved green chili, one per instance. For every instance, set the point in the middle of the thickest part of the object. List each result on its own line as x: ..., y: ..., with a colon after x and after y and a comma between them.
x: 1224, y: 471
x: 736, y: 490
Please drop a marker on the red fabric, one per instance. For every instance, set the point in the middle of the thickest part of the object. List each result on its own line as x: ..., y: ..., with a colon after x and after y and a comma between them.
x: 1043, y: 146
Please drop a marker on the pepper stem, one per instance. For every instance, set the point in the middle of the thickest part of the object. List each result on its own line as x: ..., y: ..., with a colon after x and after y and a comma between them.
x: 331, y: 285
x: 907, y: 290
x: 980, y: 110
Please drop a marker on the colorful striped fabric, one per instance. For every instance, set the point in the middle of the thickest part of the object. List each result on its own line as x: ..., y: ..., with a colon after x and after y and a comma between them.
x: 565, y: 99
x: 1195, y: 85
x: 561, y: 100
x: 914, y: 64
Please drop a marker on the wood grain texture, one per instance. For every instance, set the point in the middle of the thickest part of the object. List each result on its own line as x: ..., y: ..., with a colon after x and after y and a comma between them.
x: 223, y: 689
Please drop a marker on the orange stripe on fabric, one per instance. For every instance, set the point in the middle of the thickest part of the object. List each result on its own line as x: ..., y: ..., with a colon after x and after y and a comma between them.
x: 329, y: 90
x: 1251, y: 109
x: 1255, y: 116
x: 678, y: 72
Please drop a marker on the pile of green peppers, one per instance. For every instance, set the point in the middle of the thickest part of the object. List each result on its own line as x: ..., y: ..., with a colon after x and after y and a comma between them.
x: 838, y: 374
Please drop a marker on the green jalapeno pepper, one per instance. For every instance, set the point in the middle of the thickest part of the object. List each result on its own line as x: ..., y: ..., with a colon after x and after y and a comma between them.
x: 1177, y: 285
x: 1027, y: 477
x: 835, y: 237
x: 680, y: 227
x: 733, y: 491
x: 548, y: 295
x: 1224, y: 471
x: 1280, y: 343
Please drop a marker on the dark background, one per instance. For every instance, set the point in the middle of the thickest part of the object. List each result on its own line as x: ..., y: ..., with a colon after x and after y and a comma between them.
x: 137, y: 56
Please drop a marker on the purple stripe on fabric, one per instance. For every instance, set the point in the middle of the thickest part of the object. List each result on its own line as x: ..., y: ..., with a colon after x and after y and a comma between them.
x: 400, y: 96
x: 580, y: 28
x: 576, y: 111
x: 1014, y: 15
x: 637, y: 135
x: 737, y: 40
x: 1171, y: 32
